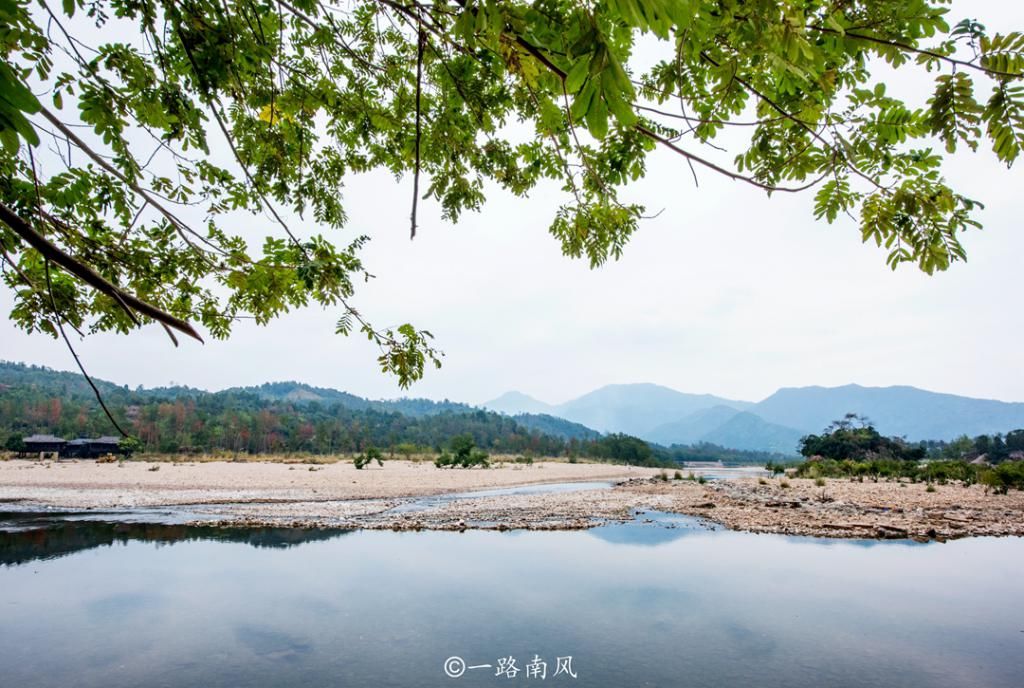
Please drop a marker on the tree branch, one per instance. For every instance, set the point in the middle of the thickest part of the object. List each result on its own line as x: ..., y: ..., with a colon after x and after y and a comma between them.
x: 55, y: 254
x: 799, y: 122
x: 721, y: 170
x: 419, y: 127
x: 178, y: 225
x: 916, y: 51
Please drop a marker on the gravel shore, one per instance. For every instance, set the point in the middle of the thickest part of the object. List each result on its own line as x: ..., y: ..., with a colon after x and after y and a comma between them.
x: 845, y: 509
x: 84, y: 484
x: 392, y: 497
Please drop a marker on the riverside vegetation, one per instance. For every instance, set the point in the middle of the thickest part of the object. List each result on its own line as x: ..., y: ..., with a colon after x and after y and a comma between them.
x: 853, y: 448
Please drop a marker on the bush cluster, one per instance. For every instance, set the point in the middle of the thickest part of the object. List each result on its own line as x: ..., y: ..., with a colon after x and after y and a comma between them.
x: 999, y: 478
x: 464, y: 454
x: 367, y: 457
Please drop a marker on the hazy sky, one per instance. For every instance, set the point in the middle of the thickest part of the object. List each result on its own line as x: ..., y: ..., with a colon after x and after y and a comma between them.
x: 725, y: 292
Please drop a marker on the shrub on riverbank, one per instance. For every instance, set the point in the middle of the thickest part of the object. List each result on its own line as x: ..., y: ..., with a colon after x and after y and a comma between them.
x: 464, y: 454
x: 852, y: 448
x: 367, y: 457
x: 1002, y: 477
x: 999, y: 478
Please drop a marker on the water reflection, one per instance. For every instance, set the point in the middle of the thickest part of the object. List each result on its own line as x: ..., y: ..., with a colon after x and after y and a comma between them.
x: 435, y: 501
x: 30, y: 537
x: 271, y: 644
x: 651, y: 528
x: 667, y: 604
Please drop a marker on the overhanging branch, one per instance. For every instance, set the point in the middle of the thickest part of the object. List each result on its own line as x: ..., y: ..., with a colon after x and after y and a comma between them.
x: 59, y: 257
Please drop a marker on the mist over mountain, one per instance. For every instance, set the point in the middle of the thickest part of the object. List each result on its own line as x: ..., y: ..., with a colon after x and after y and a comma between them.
x: 692, y: 428
x: 909, y: 412
x: 635, y: 409
x: 749, y: 431
x: 665, y: 416
x: 514, y: 403
x: 298, y: 392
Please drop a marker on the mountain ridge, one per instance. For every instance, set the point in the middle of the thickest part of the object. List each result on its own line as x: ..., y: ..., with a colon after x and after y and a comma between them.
x: 897, y: 410
x: 655, y: 413
x: 784, y: 416
x: 635, y: 408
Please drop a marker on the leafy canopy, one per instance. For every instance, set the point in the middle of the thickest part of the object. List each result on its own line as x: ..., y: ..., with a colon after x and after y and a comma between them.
x: 854, y: 437
x: 119, y: 117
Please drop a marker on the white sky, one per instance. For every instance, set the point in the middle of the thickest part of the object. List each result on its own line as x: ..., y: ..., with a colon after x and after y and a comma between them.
x: 725, y: 292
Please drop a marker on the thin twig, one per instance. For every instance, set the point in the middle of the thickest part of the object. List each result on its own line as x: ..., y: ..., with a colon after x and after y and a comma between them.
x: 60, y: 326
x: 178, y: 225
x: 419, y: 128
x: 721, y: 170
x: 918, y: 51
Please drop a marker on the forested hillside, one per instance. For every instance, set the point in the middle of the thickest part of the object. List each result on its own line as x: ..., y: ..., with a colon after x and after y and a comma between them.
x: 277, y: 417
x: 295, y: 417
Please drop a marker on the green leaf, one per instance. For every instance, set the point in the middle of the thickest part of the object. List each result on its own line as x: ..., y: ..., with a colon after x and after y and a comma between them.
x: 576, y: 76
x: 597, y: 119
x: 581, y: 104
x: 1004, y: 117
x: 954, y: 113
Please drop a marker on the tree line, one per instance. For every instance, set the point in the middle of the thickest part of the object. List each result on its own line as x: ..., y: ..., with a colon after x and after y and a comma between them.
x: 853, y: 448
x: 261, y: 421
x: 854, y: 437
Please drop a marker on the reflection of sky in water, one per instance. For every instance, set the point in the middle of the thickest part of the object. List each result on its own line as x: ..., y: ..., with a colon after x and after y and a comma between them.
x: 635, y: 606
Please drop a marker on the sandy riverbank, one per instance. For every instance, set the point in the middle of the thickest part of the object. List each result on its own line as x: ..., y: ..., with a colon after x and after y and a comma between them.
x: 339, y: 495
x: 81, y: 484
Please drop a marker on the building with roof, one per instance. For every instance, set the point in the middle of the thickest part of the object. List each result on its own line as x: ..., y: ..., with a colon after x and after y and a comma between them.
x: 43, y: 444
x: 78, y: 448
x: 91, y: 448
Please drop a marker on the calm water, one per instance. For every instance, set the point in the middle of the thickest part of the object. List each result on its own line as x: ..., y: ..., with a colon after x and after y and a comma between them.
x: 668, y: 604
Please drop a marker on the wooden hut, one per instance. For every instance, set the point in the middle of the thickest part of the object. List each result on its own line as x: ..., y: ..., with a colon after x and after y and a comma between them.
x: 101, y: 446
x: 44, y: 444
x: 77, y: 448
x: 88, y: 448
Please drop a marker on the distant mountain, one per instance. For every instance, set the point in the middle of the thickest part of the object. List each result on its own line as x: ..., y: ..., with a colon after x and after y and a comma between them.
x: 665, y: 416
x: 901, y: 411
x: 419, y: 408
x: 514, y: 403
x: 652, y: 412
x: 692, y: 428
x: 58, y: 382
x: 556, y: 427
x: 750, y: 432
x: 635, y: 409
x: 727, y: 427
x: 299, y: 392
